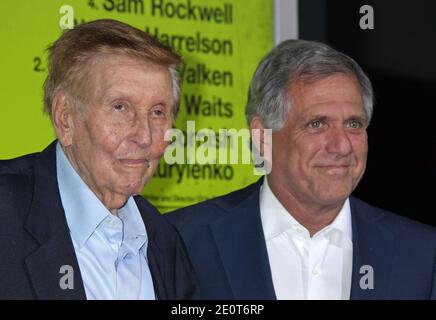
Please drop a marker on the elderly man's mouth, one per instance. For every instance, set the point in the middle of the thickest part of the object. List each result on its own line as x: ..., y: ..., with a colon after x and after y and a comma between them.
x: 134, y: 162
x: 335, y: 169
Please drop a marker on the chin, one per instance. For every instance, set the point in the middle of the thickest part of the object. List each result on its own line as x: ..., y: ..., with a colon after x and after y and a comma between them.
x: 133, y: 188
x: 334, y: 194
x: 335, y: 198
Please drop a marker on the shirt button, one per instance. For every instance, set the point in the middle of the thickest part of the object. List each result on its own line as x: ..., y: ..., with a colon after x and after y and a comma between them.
x: 315, y: 272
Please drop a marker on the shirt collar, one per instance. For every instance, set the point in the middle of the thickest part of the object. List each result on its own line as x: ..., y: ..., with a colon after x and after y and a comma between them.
x: 135, y: 234
x: 276, y: 219
x: 85, y: 212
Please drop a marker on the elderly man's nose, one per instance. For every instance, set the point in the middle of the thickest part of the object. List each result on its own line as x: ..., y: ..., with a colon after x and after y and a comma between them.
x: 339, y: 142
x: 142, y: 132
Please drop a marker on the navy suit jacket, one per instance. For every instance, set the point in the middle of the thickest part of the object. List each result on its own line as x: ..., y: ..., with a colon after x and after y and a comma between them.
x: 35, y: 240
x: 226, y: 244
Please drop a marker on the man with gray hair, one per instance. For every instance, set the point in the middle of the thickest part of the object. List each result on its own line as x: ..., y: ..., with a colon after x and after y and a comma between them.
x: 298, y: 233
x: 73, y: 225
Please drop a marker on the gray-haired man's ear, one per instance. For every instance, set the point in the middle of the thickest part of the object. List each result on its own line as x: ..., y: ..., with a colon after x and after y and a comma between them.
x: 62, y: 118
x: 261, y: 138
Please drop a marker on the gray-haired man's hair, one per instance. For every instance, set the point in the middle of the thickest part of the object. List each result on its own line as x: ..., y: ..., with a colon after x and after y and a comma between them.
x: 295, y: 60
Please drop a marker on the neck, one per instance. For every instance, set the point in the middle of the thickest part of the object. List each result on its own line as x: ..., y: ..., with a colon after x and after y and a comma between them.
x: 313, y: 216
x: 113, y: 202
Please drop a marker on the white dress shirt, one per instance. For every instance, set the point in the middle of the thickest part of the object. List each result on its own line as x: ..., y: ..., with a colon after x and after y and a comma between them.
x: 111, y: 250
x: 305, y: 267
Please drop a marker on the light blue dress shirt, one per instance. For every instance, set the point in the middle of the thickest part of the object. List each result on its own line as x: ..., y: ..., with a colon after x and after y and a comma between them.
x: 111, y: 250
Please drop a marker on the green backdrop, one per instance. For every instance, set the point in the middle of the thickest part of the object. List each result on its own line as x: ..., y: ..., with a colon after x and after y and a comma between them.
x: 221, y: 41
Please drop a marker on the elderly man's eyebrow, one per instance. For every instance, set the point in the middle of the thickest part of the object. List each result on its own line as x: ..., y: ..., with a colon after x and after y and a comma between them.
x: 114, y: 95
x: 361, y: 118
x: 320, y: 117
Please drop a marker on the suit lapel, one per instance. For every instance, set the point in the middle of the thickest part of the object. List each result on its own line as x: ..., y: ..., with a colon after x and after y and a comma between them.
x: 155, y: 263
x: 241, y: 244
x: 373, y: 246
x: 154, y: 255
x: 53, y: 264
x: 47, y: 224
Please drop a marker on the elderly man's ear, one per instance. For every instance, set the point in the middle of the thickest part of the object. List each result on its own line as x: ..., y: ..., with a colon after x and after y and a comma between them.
x: 62, y: 117
x: 261, y: 138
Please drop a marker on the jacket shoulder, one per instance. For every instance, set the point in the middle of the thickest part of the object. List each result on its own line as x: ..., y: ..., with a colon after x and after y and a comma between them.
x: 209, y: 210
x: 401, y: 226
x: 16, y: 186
x: 17, y: 165
x: 16, y: 191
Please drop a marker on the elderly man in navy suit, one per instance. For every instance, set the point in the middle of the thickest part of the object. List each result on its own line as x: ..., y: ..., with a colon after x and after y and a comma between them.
x: 298, y: 233
x: 73, y: 225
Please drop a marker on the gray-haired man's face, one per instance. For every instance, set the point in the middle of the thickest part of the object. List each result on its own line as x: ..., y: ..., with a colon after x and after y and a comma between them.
x: 319, y: 156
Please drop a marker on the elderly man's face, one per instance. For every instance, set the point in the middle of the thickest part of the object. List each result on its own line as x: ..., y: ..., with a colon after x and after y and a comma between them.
x: 319, y: 156
x: 118, y: 139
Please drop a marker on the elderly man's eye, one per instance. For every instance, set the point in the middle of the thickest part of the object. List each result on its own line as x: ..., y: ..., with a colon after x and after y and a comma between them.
x: 159, y: 113
x: 119, y: 107
x: 316, y: 124
x: 354, y: 124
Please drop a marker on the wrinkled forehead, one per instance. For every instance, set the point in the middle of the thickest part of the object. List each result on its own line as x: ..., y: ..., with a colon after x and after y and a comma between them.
x: 120, y: 74
x: 334, y: 94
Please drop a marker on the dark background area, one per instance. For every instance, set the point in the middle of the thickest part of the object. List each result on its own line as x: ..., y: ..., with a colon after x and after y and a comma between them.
x: 399, y: 55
